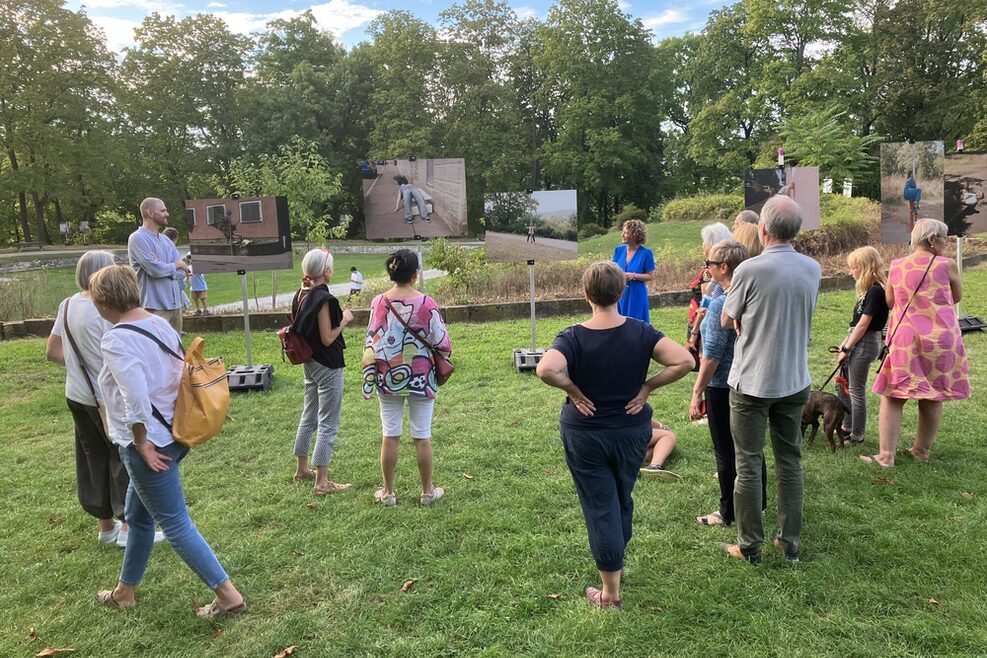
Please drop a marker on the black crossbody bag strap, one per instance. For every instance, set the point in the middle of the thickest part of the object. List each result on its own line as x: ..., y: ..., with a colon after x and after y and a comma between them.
x: 164, y: 348
x: 78, y: 353
x: 884, y: 352
x: 414, y: 332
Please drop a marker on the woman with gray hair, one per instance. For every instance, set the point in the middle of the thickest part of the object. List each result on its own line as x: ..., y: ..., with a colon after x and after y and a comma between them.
x: 704, y: 289
x: 101, y: 479
x: 926, y: 359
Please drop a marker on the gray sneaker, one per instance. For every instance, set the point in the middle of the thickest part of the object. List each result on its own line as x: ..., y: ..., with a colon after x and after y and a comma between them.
x: 428, y: 499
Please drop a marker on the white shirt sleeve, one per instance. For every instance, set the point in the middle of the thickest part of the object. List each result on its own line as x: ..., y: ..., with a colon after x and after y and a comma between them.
x: 124, y: 365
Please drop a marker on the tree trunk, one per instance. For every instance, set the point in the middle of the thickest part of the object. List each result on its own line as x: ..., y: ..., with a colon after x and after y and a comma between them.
x: 40, y: 204
x: 21, y: 199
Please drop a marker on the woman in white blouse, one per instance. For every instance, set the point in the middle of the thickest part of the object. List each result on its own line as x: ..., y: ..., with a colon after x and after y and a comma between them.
x: 139, y: 385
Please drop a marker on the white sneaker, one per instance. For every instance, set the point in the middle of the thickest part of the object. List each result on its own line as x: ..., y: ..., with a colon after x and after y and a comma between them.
x: 428, y: 499
x: 110, y: 536
x: 122, y: 537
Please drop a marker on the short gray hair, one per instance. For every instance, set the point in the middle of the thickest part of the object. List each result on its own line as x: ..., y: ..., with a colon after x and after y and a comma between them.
x: 716, y: 232
x: 746, y: 217
x: 90, y: 263
x: 782, y: 217
x: 730, y: 252
x: 926, y: 228
x: 147, y: 203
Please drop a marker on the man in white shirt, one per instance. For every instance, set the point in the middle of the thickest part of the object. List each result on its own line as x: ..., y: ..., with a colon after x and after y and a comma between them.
x: 356, y: 281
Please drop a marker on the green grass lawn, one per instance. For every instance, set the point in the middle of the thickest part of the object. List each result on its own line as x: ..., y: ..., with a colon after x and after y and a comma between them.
x: 889, y: 566
x: 680, y: 238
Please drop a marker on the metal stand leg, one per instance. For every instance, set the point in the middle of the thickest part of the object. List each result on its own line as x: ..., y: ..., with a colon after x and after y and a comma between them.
x: 527, y: 359
x: 246, y: 316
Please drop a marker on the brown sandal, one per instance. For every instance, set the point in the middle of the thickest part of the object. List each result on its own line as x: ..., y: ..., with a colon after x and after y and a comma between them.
x: 330, y: 488
x: 105, y: 597
x: 214, y: 610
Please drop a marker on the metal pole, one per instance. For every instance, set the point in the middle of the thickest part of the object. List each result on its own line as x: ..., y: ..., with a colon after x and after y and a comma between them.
x: 421, y: 267
x: 959, y: 266
x: 531, y: 286
x: 246, y: 316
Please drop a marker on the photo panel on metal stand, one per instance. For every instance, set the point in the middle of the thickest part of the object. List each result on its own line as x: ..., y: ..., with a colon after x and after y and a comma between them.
x: 526, y: 227
x: 414, y: 198
x: 240, y: 234
x: 911, y: 187
x: 965, y: 208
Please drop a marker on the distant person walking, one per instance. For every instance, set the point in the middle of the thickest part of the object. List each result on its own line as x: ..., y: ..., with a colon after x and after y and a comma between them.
x: 638, y: 265
x: 200, y: 290
x: 319, y: 318
x: 158, y: 265
x: 408, y: 193
x: 356, y: 281
x: 531, y: 233
x: 101, y: 479
x: 405, y: 329
x: 770, y: 306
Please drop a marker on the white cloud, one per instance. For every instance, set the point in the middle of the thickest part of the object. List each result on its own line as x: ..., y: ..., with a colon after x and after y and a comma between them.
x: 524, y: 13
x: 144, y: 5
x: 667, y: 17
x: 336, y: 16
x: 215, y: 5
x: 119, y: 31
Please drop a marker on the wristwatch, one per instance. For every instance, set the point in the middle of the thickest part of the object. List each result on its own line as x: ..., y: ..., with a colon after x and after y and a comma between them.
x: 845, y: 349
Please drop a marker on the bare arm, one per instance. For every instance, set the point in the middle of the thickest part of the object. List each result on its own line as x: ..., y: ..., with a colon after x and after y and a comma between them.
x: 707, y: 368
x: 554, y: 371
x: 54, y: 350
x: 327, y: 333
x: 955, y: 282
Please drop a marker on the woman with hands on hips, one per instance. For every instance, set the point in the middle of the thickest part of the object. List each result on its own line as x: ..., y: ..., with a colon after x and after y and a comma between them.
x: 139, y: 387
x: 602, y: 365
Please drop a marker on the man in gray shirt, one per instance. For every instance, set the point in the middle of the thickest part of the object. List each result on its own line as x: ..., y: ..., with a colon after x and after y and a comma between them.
x: 770, y: 305
x: 157, y: 263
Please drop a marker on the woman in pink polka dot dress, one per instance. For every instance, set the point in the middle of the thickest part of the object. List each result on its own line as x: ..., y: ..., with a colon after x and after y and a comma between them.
x: 926, y: 358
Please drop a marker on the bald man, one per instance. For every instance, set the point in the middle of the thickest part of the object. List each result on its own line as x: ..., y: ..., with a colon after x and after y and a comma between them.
x: 158, y: 265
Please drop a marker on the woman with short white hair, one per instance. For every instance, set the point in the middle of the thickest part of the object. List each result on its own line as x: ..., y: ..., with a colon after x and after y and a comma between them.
x: 926, y: 358
x: 101, y: 479
x: 319, y: 318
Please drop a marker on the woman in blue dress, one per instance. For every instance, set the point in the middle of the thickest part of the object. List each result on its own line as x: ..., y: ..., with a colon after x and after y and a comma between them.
x: 638, y: 265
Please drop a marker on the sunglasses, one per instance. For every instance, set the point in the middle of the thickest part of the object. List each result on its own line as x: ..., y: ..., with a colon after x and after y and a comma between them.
x: 713, y: 262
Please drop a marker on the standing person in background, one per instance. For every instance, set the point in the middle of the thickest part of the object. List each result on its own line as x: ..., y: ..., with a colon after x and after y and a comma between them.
x: 399, y: 365
x: 605, y: 424
x: 744, y: 217
x: 172, y: 234
x: 156, y: 261
x: 356, y: 281
x: 770, y: 306
x: 863, y: 341
x: 926, y: 355
x: 139, y: 386
x: 200, y: 290
x: 711, y: 385
x: 101, y: 479
x: 638, y: 264
x: 319, y: 318
x: 747, y: 235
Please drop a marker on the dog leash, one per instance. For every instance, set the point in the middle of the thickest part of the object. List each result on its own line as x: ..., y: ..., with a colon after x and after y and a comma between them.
x: 832, y: 350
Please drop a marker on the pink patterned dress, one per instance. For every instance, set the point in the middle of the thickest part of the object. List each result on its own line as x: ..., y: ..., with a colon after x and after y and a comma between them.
x: 394, y: 361
x: 926, y: 357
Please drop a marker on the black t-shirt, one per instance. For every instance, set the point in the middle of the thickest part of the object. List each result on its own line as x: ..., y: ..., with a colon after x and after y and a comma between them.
x: 873, y: 304
x: 305, y: 308
x: 609, y: 366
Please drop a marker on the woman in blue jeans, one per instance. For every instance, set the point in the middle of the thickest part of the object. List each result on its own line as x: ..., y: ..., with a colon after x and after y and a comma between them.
x: 139, y: 386
x: 602, y: 365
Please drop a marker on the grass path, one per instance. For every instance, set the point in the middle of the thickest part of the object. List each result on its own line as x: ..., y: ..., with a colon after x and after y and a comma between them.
x: 890, y: 567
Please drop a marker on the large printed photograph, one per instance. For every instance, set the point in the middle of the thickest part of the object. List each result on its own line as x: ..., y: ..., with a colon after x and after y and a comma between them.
x: 414, y: 198
x: 911, y: 187
x: 965, y: 206
x: 241, y: 233
x: 523, y: 226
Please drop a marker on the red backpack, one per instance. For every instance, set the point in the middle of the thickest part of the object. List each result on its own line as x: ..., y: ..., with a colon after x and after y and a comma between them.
x: 294, y: 348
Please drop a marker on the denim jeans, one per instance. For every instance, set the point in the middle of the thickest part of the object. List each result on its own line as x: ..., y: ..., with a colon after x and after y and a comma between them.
x: 410, y: 192
x: 604, y: 466
x: 749, y: 417
x: 158, y: 498
x: 858, y: 363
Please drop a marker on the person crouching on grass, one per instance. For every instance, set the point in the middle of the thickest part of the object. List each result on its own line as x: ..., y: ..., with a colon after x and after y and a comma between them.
x: 602, y: 365
x: 320, y: 320
x: 139, y: 386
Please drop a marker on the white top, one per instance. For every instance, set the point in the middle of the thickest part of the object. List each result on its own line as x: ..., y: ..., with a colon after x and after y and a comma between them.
x: 356, y: 281
x: 136, y: 374
x: 87, y: 327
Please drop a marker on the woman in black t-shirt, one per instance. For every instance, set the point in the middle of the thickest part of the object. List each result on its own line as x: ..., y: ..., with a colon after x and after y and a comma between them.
x: 863, y: 341
x: 602, y: 365
x: 319, y: 318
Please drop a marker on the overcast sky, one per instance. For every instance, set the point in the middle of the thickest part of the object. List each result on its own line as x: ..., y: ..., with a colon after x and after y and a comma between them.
x: 348, y: 19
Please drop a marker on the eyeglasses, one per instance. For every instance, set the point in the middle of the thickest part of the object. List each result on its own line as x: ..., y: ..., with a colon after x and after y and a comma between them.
x: 713, y: 262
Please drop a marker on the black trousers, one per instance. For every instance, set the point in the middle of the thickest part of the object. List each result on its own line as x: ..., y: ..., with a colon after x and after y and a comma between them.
x: 718, y: 415
x: 101, y: 478
x: 604, y: 465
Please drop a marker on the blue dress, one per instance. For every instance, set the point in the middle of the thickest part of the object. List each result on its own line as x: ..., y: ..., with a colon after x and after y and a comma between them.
x: 634, y: 302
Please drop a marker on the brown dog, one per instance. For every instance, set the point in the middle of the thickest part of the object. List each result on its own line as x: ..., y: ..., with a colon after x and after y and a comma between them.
x: 831, y: 409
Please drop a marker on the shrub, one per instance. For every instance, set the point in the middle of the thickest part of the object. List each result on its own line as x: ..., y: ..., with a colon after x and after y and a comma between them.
x: 112, y: 227
x: 589, y: 230
x: 846, y: 225
x: 655, y: 215
x: 706, y: 208
x: 629, y: 212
